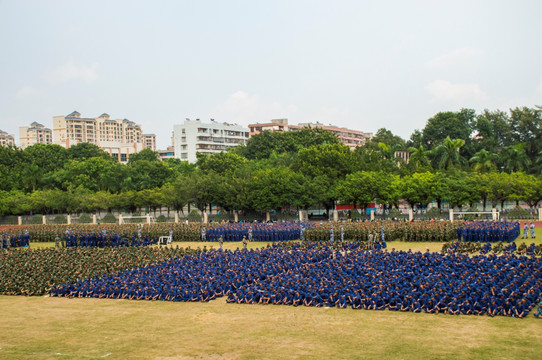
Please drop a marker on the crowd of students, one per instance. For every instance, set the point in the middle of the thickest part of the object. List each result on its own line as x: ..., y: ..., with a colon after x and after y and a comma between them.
x: 453, y: 283
x: 104, y: 239
x: 15, y: 240
x: 34, y: 271
x: 488, y: 231
x: 269, y: 232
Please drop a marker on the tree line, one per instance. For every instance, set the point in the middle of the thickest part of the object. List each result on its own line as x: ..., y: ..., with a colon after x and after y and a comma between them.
x: 459, y: 157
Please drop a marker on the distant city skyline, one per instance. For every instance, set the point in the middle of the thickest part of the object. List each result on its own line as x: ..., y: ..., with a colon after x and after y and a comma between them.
x: 356, y: 64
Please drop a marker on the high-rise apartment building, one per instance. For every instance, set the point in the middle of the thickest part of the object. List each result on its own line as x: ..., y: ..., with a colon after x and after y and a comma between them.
x: 351, y: 138
x: 6, y: 139
x: 120, y: 137
x: 149, y: 141
x: 34, y: 134
x: 213, y: 137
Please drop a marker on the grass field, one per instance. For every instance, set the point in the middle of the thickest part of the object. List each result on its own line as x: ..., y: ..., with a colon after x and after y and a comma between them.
x: 61, y: 328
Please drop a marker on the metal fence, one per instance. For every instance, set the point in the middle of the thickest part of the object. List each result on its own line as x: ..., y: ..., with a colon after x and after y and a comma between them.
x: 258, y: 216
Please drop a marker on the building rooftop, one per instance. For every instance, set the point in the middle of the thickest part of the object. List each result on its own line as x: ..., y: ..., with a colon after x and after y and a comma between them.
x: 74, y: 114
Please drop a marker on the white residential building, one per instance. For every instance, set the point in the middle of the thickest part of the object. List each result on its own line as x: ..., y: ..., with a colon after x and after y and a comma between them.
x: 213, y: 137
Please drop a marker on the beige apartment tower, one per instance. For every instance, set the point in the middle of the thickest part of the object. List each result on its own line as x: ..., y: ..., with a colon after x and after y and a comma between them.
x: 34, y: 134
x: 119, y: 137
x: 6, y: 139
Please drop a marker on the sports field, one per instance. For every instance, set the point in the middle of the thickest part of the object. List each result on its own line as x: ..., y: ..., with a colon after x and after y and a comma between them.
x: 61, y: 328
x: 88, y: 328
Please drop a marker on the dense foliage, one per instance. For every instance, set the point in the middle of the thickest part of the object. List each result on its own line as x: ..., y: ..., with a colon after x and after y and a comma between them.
x: 461, y: 158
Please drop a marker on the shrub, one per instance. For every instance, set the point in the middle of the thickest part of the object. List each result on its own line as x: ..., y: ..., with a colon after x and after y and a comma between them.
x: 471, y: 216
x: 224, y: 216
x: 395, y: 213
x: 355, y: 214
x: 286, y: 216
x: 194, y: 216
x: 161, y: 219
x: 60, y: 219
x: 36, y: 219
x: 518, y: 213
x: 433, y: 213
x: 84, y: 219
x: 109, y: 218
x: 10, y: 220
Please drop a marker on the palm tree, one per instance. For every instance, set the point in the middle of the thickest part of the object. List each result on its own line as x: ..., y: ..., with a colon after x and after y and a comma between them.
x: 448, y: 153
x: 484, y: 161
x: 419, y: 157
x: 32, y: 175
x: 515, y: 158
x: 388, y: 152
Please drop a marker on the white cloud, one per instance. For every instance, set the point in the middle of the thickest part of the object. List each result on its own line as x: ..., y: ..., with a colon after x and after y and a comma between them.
x: 538, y: 91
x: 530, y: 100
x: 454, y: 58
x: 445, y: 90
x: 71, y: 71
x: 244, y: 109
x: 27, y: 92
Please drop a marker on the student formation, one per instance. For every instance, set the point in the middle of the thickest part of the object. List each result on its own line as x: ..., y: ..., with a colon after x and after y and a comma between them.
x: 336, y: 274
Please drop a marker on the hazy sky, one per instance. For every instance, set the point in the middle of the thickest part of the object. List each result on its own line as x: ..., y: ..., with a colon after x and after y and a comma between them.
x: 358, y: 64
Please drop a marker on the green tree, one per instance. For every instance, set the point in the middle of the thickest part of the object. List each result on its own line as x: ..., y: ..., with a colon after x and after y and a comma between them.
x: 48, y: 157
x: 526, y: 124
x: 84, y: 151
x: 276, y: 188
x: 417, y: 188
x: 454, y: 125
x: 31, y: 176
x: 145, y: 174
x: 463, y: 189
x: 364, y: 188
x: 262, y: 145
x: 484, y: 161
x: 145, y: 154
x: 18, y: 203
x: 220, y: 163
x: 419, y: 159
x: 499, y: 186
x: 447, y: 153
x: 95, y: 174
x: 333, y: 161
x: 11, y: 163
x: 493, y: 131
x: 514, y: 158
x: 386, y: 137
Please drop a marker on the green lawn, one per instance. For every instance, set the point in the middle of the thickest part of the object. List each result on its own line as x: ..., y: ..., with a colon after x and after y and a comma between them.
x: 51, y: 328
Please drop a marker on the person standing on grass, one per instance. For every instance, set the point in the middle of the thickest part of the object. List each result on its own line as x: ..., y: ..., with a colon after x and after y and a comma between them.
x: 370, y: 240
x: 532, y: 230
x: 525, y: 231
